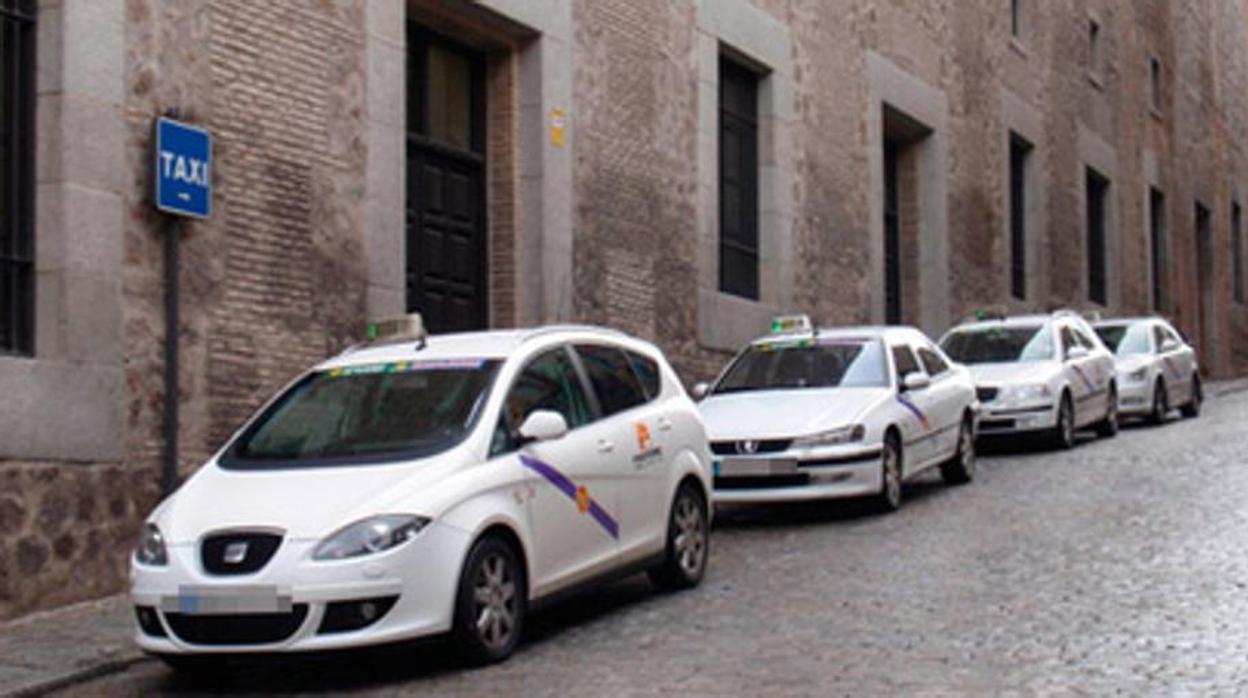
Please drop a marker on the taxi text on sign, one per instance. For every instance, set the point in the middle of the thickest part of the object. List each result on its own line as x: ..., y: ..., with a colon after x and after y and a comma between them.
x: 183, y: 169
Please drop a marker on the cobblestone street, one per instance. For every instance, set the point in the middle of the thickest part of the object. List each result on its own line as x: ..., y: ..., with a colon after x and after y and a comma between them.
x: 1116, y: 567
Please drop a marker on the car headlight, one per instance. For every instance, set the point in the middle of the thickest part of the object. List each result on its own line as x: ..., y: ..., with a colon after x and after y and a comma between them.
x: 369, y: 536
x: 832, y: 437
x: 1138, y: 375
x: 1025, y: 393
x: 151, y: 547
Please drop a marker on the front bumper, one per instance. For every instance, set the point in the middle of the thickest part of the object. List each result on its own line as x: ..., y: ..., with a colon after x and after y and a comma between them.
x: 850, y: 470
x: 190, y: 612
x: 997, y: 419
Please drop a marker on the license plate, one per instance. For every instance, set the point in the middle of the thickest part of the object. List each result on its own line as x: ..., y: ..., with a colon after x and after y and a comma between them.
x: 757, y: 467
x: 207, y: 601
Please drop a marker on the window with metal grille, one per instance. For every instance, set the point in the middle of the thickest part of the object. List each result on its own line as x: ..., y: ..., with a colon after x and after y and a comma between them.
x: 738, y: 180
x: 1019, y: 150
x: 1097, y: 199
x: 17, y: 239
x: 1157, y: 246
x: 1237, y: 253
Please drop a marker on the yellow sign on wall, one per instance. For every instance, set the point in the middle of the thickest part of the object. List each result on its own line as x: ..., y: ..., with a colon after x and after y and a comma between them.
x: 556, y: 127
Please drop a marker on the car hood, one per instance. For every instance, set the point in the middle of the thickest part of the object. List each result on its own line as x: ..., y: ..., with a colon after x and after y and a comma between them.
x: 1021, y: 372
x: 767, y: 414
x: 305, y: 503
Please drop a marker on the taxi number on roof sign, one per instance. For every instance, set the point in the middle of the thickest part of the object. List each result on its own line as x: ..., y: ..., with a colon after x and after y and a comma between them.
x: 407, y: 367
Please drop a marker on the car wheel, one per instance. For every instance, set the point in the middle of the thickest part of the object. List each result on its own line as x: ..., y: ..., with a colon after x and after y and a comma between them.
x: 1161, y: 403
x: 688, y: 542
x: 960, y: 469
x: 1108, y: 428
x: 491, y: 602
x: 889, y: 498
x: 1064, y: 430
x: 1192, y: 408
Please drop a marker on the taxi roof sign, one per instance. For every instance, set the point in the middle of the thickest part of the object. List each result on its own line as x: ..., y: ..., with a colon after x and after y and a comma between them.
x: 407, y: 327
x: 791, y: 324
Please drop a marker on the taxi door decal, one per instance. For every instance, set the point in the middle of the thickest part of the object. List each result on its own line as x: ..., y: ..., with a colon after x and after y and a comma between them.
x: 914, y: 409
x: 1087, y: 382
x: 579, y: 495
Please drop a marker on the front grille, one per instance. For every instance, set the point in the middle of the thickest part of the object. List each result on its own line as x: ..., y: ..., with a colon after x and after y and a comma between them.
x: 239, y: 629
x: 986, y: 394
x: 759, y: 483
x: 729, y: 448
x: 219, y: 552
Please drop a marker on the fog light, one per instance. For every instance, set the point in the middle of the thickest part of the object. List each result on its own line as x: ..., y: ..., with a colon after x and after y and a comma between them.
x: 345, y: 616
x: 148, y: 621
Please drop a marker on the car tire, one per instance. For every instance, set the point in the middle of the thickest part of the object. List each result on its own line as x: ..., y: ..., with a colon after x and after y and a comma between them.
x: 688, y: 541
x: 889, y: 498
x: 491, y: 602
x: 1108, y: 428
x: 1161, y: 403
x: 1192, y: 408
x: 1063, y: 434
x: 960, y: 469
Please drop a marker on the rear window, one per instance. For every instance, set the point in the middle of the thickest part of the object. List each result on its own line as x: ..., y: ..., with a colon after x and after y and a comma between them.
x: 807, y: 363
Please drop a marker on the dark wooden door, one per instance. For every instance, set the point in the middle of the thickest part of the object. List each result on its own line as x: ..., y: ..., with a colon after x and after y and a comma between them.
x: 447, y: 264
x: 892, y: 234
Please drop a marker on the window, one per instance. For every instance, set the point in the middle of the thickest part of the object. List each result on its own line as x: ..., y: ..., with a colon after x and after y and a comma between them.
x: 1157, y: 245
x: 1002, y: 344
x: 612, y: 376
x: 738, y: 180
x: 903, y: 359
x: 17, y: 237
x: 647, y: 370
x: 1154, y: 84
x: 1019, y: 151
x: 932, y: 361
x: 1095, y: 59
x: 1237, y: 253
x: 1097, y: 199
x: 1159, y: 338
x: 1069, y: 341
x: 549, y: 382
x: 1016, y: 19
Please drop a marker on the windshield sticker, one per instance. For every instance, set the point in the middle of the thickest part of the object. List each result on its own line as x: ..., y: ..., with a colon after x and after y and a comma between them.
x: 585, y: 504
x: 407, y: 367
x: 914, y: 409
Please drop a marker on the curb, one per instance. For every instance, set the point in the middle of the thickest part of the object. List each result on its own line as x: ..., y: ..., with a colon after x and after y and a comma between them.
x: 95, y: 671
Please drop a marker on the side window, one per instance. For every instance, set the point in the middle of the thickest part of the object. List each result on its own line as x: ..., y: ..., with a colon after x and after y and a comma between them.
x: 647, y: 371
x: 1084, y: 339
x: 1177, y: 337
x: 932, y: 361
x: 1068, y: 341
x: 612, y: 377
x: 903, y: 359
x: 1159, y: 338
x: 549, y: 382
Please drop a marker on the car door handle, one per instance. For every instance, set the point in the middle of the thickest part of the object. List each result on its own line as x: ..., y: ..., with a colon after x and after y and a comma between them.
x: 665, y: 424
x: 605, y: 446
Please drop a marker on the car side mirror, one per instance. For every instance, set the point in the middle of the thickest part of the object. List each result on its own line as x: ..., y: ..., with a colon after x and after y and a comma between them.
x: 915, y: 381
x: 701, y: 390
x: 543, y: 425
x: 1168, y: 346
x: 1075, y: 353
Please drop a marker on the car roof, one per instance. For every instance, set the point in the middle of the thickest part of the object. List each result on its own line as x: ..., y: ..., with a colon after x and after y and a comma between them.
x: 491, y: 344
x: 885, y: 332
x: 1011, y: 321
x: 1125, y: 321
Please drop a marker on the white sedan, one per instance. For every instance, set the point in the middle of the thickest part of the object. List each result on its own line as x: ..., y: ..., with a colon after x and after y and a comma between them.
x: 1038, y: 374
x: 412, y: 487
x: 1157, y: 368
x: 811, y: 414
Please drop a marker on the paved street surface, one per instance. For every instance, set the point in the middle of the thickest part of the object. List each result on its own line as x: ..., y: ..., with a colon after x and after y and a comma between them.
x: 1120, y: 566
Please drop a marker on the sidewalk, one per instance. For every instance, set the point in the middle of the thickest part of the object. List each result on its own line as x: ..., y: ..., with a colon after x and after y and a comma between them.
x: 49, y: 650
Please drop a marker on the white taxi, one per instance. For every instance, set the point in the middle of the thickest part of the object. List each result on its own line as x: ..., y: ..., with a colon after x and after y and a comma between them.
x: 810, y: 414
x: 1038, y: 374
x: 416, y: 485
x: 1156, y: 368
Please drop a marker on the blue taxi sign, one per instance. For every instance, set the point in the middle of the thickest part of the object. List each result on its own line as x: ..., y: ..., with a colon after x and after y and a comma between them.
x: 183, y: 169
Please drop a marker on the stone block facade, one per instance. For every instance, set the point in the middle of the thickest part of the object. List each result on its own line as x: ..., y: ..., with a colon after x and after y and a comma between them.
x: 614, y: 222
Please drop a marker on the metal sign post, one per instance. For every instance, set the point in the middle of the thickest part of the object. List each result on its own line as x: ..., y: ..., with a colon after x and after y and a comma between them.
x: 183, y: 188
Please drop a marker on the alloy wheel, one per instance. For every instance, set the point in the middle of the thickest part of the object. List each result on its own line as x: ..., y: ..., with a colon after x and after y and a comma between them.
x: 690, y: 540
x: 495, y: 601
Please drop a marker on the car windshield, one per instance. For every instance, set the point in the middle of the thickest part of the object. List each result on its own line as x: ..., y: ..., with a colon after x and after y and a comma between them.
x: 807, y: 363
x: 1125, y: 340
x: 1001, y: 344
x: 358, y: 414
